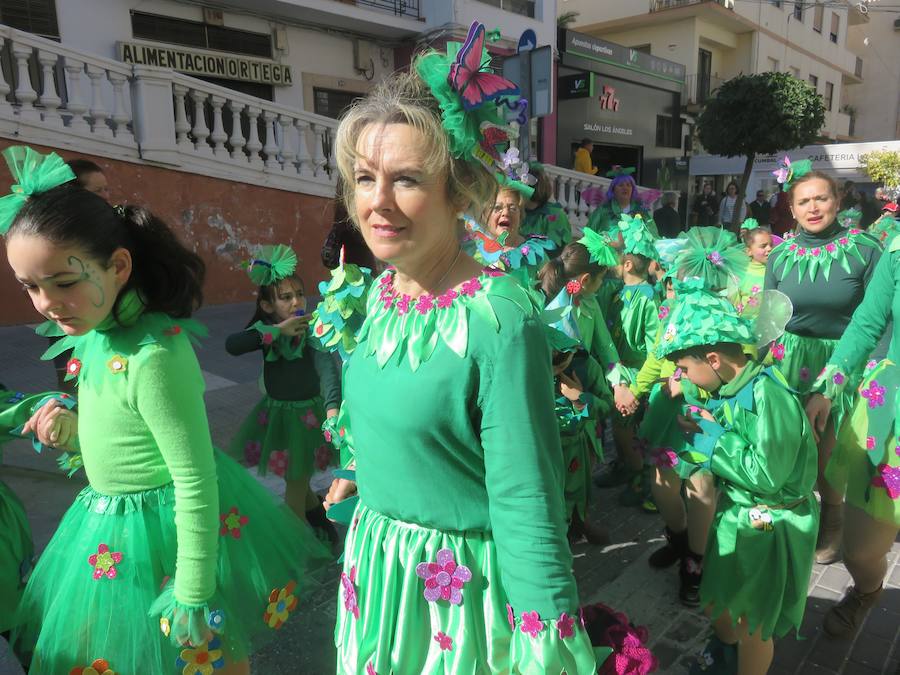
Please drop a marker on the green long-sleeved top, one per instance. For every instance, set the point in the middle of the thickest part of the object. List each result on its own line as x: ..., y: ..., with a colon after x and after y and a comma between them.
x: 879, y: 307
x: 823, y: 307
x: 315, y: 373
x: 142, y: 424
x: 637, y: 324
x: 479, y: 449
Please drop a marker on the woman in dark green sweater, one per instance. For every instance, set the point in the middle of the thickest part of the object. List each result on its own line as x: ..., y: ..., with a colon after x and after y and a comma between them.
x: 824, y: 269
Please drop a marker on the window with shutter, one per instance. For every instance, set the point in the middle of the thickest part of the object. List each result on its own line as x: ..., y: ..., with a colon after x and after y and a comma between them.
x: 33, y: 16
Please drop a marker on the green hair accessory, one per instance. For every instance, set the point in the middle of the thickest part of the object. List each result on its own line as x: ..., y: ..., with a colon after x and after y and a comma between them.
x: 789, y: 172
x: 34, y: 173
x: 850, y: 217
x: 618, y: 170
x: 701, y: 318
x: 271, y: 264
x: 638, y: 238
x: 599, y: 248
x: 712, y: 254
x: 750, y: 224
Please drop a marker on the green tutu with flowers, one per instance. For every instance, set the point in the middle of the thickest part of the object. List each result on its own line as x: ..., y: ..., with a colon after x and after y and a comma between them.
x: 395, y: 616
x: 101, y: 591
x: 284, y: 437
x: 801, y: 359
x: 866, y: 460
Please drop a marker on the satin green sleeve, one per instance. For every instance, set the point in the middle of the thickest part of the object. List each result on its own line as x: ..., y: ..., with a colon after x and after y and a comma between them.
x: 523, y: 472
x: 869, y: 322
x: 760, y: 457
x: 652, y: 369
x: 166, y: 388
x: 600, y: 344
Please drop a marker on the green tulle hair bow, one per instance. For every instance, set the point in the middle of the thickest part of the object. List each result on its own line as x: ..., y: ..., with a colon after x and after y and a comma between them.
x: 34, y: 173
x: 599, y: 248
x: 271, y: 264
x: 750, y: 224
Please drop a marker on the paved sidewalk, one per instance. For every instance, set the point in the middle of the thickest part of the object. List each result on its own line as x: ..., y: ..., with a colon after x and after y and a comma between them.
x: 617, y: 575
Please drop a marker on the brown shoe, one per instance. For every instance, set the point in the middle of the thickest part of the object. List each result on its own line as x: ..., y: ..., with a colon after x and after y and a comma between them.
x: 845, y: 618
x: 831, y: 530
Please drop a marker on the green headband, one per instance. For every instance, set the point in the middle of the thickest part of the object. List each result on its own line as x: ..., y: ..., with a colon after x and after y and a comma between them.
x: 34, y: 173
x: 617, y: 171
x: 271, y: 264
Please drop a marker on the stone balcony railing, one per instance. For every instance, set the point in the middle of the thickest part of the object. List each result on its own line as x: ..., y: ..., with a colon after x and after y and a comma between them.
x: 55, y: 96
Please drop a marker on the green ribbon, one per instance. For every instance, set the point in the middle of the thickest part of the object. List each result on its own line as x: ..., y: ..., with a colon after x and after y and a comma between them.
x: 34, y: 173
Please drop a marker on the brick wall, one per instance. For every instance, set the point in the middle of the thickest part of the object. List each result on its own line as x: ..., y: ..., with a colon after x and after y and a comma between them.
x: 219, y: 219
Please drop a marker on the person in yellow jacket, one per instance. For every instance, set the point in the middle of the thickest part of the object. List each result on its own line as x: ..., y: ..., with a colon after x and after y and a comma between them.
x: 583, y: 159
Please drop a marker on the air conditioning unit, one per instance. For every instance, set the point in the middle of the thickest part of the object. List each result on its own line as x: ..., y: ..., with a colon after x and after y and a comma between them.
x: 362, y: 55
x: 896, y: 24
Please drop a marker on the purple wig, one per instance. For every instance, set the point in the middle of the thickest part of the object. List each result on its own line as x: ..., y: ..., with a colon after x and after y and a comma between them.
x: 618, y: 180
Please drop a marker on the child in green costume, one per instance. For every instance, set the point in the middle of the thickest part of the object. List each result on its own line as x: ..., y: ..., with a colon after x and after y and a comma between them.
x: 758, y: 244
x: 755, y: 437
x: 173, y: 556
x: 283, y: 431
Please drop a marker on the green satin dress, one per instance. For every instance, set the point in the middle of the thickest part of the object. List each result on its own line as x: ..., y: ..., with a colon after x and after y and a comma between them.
x: 549, y: 220
x: 760, y: 549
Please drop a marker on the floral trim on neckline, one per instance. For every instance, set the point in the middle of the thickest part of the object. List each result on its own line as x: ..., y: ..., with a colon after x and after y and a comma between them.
x: 399, y: 325
x: 808, y: 260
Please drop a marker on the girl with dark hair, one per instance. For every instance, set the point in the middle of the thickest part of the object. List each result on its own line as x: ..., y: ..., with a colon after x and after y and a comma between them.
x: 167, y: 527
x: 283, y: 431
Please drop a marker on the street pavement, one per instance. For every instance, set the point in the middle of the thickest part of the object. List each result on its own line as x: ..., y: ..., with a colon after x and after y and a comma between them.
x: 617, y: 575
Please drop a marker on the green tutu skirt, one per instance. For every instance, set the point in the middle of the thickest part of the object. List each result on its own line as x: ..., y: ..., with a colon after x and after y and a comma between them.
x: 392, y: 618
x: 71, y: 616
x: 16, y: 554
x: 759, y: 568
x: 284, y: 437
x: 866, y: 460
x: 801, y: 359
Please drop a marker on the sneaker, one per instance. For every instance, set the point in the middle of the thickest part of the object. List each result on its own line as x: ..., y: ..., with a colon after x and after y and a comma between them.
x: 845, y: 618
x: 690, y: 575
x: 618, y: 474
x: 649, y: 505
x: 671, y: 552
x: 717, y: 658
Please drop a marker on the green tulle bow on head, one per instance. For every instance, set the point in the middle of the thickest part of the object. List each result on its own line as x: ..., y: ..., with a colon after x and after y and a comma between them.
x: 789, y: 172
x: 271, y: 264
x: 750, y: 224
x: 712, y: 254
x: 700, y: 318
x: 34, y: 173
x: 638, y: 238
x: 599, y: 248
x: 618, y: 170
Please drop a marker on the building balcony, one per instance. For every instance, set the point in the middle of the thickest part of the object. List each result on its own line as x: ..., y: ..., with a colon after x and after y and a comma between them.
x: 837, y: 125
x: 660, y: 5
x: 379, y: 18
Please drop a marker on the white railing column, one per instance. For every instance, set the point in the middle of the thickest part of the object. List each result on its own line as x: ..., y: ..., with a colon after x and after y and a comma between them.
x: 218, y: 135
x: 25, y: 93
x: 98, y: 110
x: 154, y: 114
x: 253, y: 143
x: 287, y: 146
x: 271, y: 147
x: 304, y: 159
x: 237, y: 133
x: 120, y: 116
x: 49, y: 97
x: 5, y: 108
x: 75, y: 105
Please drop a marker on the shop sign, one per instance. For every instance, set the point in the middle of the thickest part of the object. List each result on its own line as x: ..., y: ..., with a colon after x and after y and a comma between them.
x: 576, y: 86
x: 604, y: 128
x: 209, y: 64
x: 587, y: 46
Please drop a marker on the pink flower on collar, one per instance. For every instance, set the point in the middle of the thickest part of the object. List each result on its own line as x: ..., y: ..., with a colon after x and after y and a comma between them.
x: 446, y: 299
x: 403, y: 304
x: 424, y: 304
x: 843, y: 241
x: 470, y: 287
x: 830, y: 247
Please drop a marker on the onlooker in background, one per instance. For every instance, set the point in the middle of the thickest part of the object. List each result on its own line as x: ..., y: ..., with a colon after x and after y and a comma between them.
x: 849, y: 196
x: 760, y: 209
x: 727, y: 206
x: 344, y: 234
x: 880, y: 197
x: 871, y: 209
x: 706, y: 207
x: 781, y: 219
x: 90, y: 176
x: 583, y: 160
x: 667, y: 219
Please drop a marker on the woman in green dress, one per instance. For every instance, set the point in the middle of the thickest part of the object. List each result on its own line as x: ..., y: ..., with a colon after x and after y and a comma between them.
x: 621, y: 199
x: 456, y: 559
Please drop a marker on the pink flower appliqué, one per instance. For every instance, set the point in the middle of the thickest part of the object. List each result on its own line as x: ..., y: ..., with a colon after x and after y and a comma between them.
x: 715, y: 258
x: 665, y: 458
x: 897, y: 451
x: 843, y: 241
x: 471, y: 287
x: 262, y: 418
x: 663, y: 312
x: 252, y: 452
x: 838, y: 378
x: 816, y: 251
x: 801, y: 251
x: 510, y: 616
x: 323, y: 457
x: 793, y: 247
x: 525, y: 250
x: 104, y: 562
x: 446, y: 299
x: 424, y: 304
x: 370, y: 669
x: 804, y: 373
x: 348, y: 581
x: 778, y: 352
x: 871, y: 364
x: 232, y: 522
x: 830, y: 247
x: 566, y: 626
x: 444, y: 579
x: 278, y: 463
x: 755, y: 289
x: 310, y: 420
x: 403, y: 304
x: 444, y: 640
x: 889, y: 479
x: 870, y: 442
x: 267, y: 338
x: 531, y: 624
x: 874, y: 394
x: 855, y: 231
x: 552, y: 218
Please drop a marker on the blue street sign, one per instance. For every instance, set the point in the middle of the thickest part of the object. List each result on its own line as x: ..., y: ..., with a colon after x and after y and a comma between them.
x: 527, y: 41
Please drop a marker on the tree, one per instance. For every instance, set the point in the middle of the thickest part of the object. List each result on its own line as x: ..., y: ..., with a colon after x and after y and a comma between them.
x: 566, y: 19
x: 883, y: 166
x: 759, y: 114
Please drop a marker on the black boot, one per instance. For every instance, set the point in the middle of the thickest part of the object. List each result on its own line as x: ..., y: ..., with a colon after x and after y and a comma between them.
x: 674, y: 549
x: 690, y: 575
